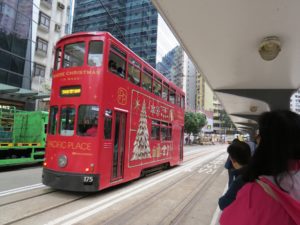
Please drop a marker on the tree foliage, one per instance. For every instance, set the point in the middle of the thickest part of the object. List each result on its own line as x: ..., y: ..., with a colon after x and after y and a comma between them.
x: 193, y: 122
x: 225, y: 120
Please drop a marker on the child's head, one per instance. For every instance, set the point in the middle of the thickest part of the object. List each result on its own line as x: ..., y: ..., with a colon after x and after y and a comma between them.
x: 239, y: 153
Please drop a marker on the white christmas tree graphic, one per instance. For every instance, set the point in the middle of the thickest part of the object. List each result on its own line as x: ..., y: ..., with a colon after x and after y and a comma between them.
x: 141, y: 148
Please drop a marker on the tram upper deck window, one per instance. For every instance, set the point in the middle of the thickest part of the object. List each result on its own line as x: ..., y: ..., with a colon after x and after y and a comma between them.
x: 74, y: 55
x: 147, y: 80
x: 172, y: 96
x: 178, y: 98
x: 157, y: 86
x: 165, y: 92
x: 57, y: 59
x: 87, y: 120
x: 116, y: 62
x: 95, y: 56
x: 183, y: 102
x: 52, y: 120
x: 67, y: 118
x: 134, y: 73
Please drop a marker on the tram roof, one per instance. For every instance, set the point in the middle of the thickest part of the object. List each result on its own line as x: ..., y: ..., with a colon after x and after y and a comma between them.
x: 223, y: 38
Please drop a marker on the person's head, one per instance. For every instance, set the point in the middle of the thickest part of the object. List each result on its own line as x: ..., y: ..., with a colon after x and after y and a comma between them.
x: 239, y: 153
x: 236, y: 140
x: 279, y: 144
x: 112, y: 64
x: 95, y: 122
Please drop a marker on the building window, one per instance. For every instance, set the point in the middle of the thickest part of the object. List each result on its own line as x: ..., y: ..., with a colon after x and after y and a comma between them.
x: 41, y: 45
x: 39, y: 70
x: 44, y: 21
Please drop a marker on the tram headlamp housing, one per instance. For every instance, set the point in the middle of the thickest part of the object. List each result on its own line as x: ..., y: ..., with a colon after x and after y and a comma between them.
x: 62, y: 161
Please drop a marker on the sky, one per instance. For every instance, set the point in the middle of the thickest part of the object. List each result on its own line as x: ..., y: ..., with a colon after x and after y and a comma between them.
x: 166, y: 41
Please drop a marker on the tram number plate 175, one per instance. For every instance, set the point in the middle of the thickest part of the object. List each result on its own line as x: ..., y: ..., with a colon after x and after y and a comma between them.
x: 88, y: 179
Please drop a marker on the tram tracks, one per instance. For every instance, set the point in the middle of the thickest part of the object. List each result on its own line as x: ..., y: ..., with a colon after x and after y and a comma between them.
x: 26, y: 206
x: 23, y: 206
x: 169, y: 192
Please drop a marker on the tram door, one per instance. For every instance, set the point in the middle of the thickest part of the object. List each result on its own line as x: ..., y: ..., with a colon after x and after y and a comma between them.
x: 119, y: 146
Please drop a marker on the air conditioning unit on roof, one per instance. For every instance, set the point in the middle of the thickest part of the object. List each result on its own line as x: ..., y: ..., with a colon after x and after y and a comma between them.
x: 57, y: 28
x: 60, y: 6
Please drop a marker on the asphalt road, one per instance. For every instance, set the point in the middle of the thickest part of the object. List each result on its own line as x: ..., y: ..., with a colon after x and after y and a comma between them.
x: 186, y: 194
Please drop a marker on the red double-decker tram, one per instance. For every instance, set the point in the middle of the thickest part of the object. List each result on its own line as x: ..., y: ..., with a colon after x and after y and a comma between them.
x: 112, y: 116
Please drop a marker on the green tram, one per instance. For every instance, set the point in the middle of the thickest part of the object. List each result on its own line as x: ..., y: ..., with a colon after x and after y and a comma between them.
x: 22, y: 136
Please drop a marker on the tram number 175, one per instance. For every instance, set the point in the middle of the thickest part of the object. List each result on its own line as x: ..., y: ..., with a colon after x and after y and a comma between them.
x: 88, y: 179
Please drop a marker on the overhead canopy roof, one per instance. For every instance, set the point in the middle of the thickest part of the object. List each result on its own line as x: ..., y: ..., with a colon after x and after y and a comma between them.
x: 223, y: 38
x: 20, y: 94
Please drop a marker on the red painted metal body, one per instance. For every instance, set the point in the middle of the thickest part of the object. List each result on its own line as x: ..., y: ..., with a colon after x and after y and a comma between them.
x: 137, y: 128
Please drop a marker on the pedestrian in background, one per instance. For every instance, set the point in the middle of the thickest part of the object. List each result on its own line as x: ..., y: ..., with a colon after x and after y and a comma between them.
x: 272, y: 194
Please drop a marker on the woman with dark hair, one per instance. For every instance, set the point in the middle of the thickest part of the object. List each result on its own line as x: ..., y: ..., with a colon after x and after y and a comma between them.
x: 272, y: 194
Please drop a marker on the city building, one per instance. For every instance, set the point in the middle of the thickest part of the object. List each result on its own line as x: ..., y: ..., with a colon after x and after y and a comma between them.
x: 15, y: 53
x: 28, y: 32
x: 133, y: 22
x: 204, y: 101
x: 172, y: 66
x: 51, y: 21
x: 217, y: 120
x: 204, y: 95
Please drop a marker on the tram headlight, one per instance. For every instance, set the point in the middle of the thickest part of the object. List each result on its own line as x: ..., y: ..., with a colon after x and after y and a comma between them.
x: 62, y: 161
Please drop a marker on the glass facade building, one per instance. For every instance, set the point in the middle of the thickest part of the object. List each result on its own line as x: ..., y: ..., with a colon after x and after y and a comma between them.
x: 172, y: 66
x: 133, y: 22
x: 15, y: 42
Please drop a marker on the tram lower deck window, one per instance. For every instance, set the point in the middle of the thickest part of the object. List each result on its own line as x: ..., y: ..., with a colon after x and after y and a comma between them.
x: 67, y: 119
x: 87, y: 120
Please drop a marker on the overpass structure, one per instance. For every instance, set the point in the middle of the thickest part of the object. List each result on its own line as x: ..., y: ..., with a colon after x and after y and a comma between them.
x: 248, y: 51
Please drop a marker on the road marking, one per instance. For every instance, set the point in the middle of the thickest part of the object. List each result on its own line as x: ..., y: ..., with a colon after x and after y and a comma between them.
x: 21, y: 189
x: 90, y: 210
x: 212, y: 167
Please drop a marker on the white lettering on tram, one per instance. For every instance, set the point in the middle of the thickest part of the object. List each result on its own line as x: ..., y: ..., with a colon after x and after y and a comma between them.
x: 84, y: 146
